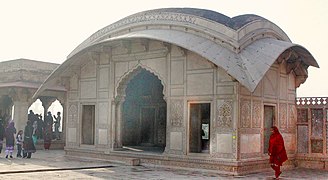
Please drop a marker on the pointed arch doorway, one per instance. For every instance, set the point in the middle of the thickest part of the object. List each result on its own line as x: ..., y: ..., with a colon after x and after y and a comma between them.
x: 143, y: 113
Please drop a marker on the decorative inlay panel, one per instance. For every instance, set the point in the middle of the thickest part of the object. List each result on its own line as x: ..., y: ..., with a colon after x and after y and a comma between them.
x: 245, y: 115
x: 257, y: 113
x: 302, y: 140
x: 283, y: 115
x: 176, y: 110
x: 316, y: 146
x: 292, y: 116
x: 72, y: 115
x: 224, y: 114
x: 302, y: 115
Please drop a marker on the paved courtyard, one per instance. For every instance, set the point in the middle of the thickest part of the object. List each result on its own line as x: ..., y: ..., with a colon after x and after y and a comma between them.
x: 54, y: 165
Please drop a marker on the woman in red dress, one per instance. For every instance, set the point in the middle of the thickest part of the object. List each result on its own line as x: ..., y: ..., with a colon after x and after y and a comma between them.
x: 277, y: 151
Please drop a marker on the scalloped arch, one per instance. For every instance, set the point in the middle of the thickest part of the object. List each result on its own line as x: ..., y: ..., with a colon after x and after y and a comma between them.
x: 128, y: 76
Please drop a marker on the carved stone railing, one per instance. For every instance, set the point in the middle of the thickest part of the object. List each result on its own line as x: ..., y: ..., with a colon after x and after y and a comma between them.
x: 311, y: 101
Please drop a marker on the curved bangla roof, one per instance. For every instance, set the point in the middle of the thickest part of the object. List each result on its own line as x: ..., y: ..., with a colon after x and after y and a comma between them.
x: 234, y: 23
x: 244, y: 46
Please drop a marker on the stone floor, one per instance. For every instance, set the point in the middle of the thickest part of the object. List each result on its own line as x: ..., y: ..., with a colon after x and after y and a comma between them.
x: 54, y: 165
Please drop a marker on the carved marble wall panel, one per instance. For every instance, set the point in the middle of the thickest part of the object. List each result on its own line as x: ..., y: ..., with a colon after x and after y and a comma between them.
x: 121, y: 68
x: 283, y: 67
x: 89, y: 70
x: 290, y: 141
x: 74, y: 82
x: 292, y: 116
x: 104, y: 57
x: 283, y: 87
x: 176, y: 140
x: 138, y: 47
x: 177, y: 72
x: 176, y: 113
x: 195, y: 61
x: 244, y: 91
x: 224, y: 114
x: 103, y: 113
x: 177, y: 91
x: 292, y: 96
x: 71, y: 135
x: 158, y: 65
x: 119, y: 50
x: 155, y: 45
x: 223, y: 76
x: 258, y: 91
x: 132, y: 64
x: 257, y: 114
x: 225, y: 90
x: 102, y: 136
x: 72, y: 95
x: 283, y: 115
x: 103, y: 94
x: 291, y: 81
x: 316, y: 145
x: 88, y: 89
x: 72, y: 115
x: 245, y: 113
x: 103, y: 78
x: 224, y: 143
x: 200, y: 84
x: 250, y: 143
x: 302, y: 140
x: 270, y: 82
x: 177, y: 51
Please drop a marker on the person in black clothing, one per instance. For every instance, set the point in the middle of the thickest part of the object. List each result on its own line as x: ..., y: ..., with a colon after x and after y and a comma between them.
x: 28, y: 144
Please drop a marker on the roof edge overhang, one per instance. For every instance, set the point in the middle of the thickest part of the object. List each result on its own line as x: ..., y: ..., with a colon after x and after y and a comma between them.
x: 248, y: 67
x: 233, y: 37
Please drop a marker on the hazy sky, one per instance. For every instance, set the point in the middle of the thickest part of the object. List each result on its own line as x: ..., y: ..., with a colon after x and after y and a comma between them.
x: 49, y: 30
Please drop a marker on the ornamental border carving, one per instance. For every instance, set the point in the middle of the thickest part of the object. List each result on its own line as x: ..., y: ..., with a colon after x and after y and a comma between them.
x: 283, y: 115
x: 292, y: 116
x: 72, y: 115
x: 245, y: 113
x: 150, y: 16
x: 225, y: 114
x: 138, y: 18
x: 257, y: 114
x: 176, y: 113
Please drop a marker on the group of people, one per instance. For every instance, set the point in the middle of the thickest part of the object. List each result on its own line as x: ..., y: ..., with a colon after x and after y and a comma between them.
x: 43, y: 129
x: 25, y: 140
x: 24, y: 147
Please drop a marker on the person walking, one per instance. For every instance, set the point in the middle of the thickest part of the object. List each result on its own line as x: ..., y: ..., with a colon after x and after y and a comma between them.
x: 276, y: 151
x: 19, y: 143
x: 10, y: 138
x: 28, y: 144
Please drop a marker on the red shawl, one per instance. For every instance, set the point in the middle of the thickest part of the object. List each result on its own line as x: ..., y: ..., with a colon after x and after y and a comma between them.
x: 277, y: 149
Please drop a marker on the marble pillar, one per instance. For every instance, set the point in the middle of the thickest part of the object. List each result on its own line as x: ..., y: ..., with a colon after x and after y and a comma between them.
x: 20, y: 114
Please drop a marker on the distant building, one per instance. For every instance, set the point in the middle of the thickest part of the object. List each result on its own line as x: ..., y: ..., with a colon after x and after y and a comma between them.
x: 19, y: 79
x: 184, y: 87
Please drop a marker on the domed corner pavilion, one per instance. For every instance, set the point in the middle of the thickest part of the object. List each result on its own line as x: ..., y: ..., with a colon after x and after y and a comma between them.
x: 183, y: 87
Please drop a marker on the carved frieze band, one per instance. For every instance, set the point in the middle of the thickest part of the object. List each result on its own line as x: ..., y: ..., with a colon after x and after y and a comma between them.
x: 144, y: 18
x: 224, y: 114
x: 245, y: 115
x: 176, y: 113
x: 139, y: 18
